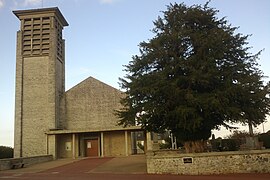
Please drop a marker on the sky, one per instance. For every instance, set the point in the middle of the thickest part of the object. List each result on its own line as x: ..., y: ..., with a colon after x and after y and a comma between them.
x: 103, y: 35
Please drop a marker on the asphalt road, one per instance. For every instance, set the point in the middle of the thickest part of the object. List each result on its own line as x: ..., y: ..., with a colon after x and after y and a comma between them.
x: 106, y: 176
x: 129, y: 168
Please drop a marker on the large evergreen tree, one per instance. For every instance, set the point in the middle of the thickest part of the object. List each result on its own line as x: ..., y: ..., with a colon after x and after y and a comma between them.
x: 196, y: 74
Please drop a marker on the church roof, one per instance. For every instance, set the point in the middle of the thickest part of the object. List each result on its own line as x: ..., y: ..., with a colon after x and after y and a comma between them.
x: 91, y: 105
x: 92, y: 80
x: 29, y: 12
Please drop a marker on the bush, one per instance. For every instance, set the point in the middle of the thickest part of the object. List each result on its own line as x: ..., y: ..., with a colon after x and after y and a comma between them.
x: 265, y: 138
x: 140, y: 146
x: 225, y: 144
x: 165, y: 145
x: 231, y: 144
x: 6, y: 152
x: 238, y: 135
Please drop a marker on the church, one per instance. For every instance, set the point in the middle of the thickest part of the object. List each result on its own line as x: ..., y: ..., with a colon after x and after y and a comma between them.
x: 80, y: 122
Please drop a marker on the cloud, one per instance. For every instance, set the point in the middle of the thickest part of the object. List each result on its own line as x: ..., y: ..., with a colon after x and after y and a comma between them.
x: 32, y: 2
x: 26, y: 3
x: 108, y: 1
x: 1, y: 3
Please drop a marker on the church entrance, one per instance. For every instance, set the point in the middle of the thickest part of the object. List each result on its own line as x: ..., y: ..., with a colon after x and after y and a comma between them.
x: 92, y: 147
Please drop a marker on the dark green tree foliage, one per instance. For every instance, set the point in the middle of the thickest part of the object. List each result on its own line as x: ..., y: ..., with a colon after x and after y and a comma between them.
x: 194, y: 75
x: 6, y: 152
x: 265, y: 138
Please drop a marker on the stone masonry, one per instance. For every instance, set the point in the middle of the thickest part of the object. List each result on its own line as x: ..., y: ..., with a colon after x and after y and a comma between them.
x: 91, y: 100
x: 39, y: 79
x: 49, y: 120
x: 174, y: 162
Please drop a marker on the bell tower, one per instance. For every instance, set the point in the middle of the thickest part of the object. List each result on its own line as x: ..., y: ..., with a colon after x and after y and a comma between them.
x: 40, y: 80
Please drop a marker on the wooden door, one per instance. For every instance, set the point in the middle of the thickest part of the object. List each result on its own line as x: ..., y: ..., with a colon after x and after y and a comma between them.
x: 92, y: 147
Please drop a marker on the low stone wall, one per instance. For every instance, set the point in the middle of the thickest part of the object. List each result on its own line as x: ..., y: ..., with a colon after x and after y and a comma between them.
x: 174, y: 162
x: 6, y: 163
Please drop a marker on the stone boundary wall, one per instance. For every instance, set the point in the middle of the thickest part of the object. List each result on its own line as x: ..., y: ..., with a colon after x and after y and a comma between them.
x: 174, y: 162
x: 6, y: 163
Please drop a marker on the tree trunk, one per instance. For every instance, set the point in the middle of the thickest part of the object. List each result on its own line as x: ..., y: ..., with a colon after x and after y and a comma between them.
x: 195, y: 146
x: 250, y: 129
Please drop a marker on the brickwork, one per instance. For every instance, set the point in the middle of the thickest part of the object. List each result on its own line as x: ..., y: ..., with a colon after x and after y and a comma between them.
x: 174, y: 162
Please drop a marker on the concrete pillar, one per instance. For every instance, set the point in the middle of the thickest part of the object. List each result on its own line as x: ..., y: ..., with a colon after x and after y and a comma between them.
x: 155, y: 145
x: 101, y: 144
x: 126, y: 142
x: 73, y: 147
x: 149, y: 141
x: 133, y: 143
x: 52, y: 145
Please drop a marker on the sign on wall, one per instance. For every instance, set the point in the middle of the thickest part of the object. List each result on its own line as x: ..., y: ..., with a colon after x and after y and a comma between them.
x: 68, y: 146
x: 89, y: 145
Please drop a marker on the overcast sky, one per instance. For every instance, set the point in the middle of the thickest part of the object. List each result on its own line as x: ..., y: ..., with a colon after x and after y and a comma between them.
x: 103, y: 35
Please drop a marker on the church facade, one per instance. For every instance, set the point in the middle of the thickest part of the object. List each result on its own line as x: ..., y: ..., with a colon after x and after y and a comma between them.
x: 79, y: 122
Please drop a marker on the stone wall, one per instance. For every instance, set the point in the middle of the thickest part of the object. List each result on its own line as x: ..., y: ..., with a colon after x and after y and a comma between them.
x: 37, y: 118
x: 174, y: 162
x: 6, y: 163
x: 39, y: 80
x: 114, y: 143
x: 18, y: 100
x: 90, y: 106
x: 65, y: 146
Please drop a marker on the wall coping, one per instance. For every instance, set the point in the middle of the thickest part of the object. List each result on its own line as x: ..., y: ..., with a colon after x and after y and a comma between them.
x: 177, y: 153
x: 39, y: 156
x: 176, y: 162
x: 6, y: 163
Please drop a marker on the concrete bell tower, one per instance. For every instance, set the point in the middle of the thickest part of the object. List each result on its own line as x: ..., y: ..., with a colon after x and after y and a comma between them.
x: 40, y: 81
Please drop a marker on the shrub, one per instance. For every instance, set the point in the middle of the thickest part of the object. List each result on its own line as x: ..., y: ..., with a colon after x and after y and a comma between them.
x: 6, y: 152
x: 265, y: 138
x: 165, y: 145
x: 225, y: 144
x: 238, y: 135
x: 140, y: 146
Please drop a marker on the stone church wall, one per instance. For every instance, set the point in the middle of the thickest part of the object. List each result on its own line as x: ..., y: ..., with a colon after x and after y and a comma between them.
x: 36, y: 107
x: 64, y: 146
x: 114, y: 143
x: 90, y: 106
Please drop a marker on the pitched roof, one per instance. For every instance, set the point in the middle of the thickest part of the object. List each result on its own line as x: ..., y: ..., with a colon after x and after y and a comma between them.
x: 92, y: 80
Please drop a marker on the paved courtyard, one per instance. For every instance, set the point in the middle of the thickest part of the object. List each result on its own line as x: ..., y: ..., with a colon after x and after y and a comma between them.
x: 131, y: 168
